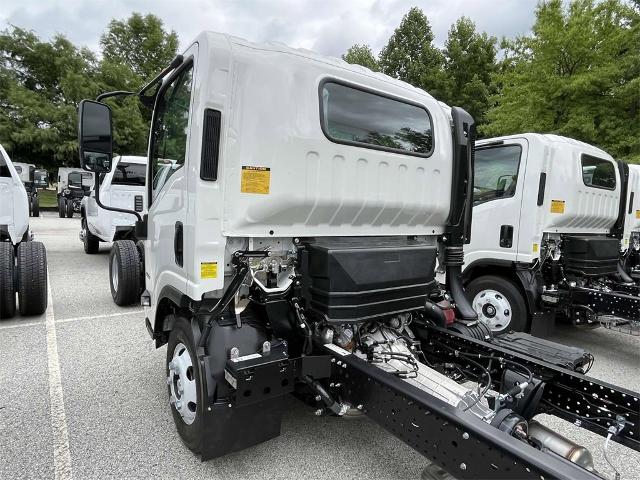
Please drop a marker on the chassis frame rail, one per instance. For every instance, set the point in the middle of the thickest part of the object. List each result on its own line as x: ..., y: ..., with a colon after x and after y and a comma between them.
x: 585, y: 401
x: 620, y: 304
x: 460, y: 443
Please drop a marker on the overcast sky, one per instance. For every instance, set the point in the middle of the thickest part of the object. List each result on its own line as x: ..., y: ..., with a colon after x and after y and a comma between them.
x: 328, y: 26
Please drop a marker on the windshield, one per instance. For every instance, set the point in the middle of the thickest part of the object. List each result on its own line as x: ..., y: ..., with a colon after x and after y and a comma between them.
x: 129, y: 174
x: 496, y: 172
x: 77, y: 179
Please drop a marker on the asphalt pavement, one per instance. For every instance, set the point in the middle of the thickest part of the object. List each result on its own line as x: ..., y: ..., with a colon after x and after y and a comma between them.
x: 83, y: 395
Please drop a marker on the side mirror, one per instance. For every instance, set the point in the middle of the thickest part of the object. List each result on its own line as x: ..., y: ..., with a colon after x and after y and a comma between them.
x: 95, y: 136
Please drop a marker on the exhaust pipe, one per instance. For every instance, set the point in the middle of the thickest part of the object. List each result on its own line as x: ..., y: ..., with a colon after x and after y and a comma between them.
x: 550, y: 440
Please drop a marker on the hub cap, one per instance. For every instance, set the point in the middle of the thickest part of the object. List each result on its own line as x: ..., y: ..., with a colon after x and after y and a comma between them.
x: 182, y: 384
x: 493, y: 309
x: 114, y: 273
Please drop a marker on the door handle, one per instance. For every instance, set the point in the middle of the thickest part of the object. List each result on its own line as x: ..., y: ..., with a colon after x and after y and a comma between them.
x: 506, y: 236
x: 178, y: 244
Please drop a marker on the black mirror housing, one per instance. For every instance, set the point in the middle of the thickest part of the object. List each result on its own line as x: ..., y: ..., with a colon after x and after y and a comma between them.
x: 95, y: 136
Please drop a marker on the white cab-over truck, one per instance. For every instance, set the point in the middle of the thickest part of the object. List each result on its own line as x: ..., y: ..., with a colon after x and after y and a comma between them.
x: 631, y: 237
x: 546, y: 236
x: 27, y: 173
x: 73, y: 185
x: 296, y: 207
x: 23, y: 262
x: 123, y: 187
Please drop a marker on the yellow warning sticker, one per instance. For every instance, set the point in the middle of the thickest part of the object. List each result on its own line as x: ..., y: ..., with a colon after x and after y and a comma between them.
x: 535, y: 248
x: 208, y: 270
x: 638, y: 214
x: 255, y: 180
x: 557, y: 206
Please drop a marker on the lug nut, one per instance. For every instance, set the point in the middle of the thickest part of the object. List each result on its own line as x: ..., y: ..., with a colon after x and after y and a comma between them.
x: 318, y: 398
x: 318, y: 412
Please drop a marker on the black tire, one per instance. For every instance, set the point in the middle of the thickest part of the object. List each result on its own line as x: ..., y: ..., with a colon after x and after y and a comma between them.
x: 35, y: 207
x: 518, y: 314
x: 124, y: 266
x: 69, y: 208
x: 7, y: 280
x: 91, y: 242
x: 182, y: 334
x: 32, y: 278
x: 62, y: 207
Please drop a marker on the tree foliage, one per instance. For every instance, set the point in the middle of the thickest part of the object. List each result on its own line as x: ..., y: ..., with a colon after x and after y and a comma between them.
x: 410, y: 54
x: 577, y: 74
x: 43, y: 82
x: 361, y: 55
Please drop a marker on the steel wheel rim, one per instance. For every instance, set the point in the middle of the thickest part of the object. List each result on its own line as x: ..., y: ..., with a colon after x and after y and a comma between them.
x: 114, y: 273
x: 493, y: 309
x: 182, y: 384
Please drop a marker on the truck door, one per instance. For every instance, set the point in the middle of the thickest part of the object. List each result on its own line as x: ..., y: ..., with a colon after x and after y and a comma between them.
x: 168, y: 163
x: 498, y: 185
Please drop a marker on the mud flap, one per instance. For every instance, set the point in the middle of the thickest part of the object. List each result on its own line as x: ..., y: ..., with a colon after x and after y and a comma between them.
x: 227, y: 428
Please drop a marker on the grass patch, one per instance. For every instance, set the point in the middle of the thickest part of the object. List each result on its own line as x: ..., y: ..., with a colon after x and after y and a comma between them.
x: 48, y: 198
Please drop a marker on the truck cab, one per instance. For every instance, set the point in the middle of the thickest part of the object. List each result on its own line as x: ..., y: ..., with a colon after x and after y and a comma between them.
x: 123, y: 187
x: 543, y: 235
x: 631, y: 237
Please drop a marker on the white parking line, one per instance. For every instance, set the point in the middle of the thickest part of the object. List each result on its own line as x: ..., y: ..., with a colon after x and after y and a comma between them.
x: 21, y: 325
x: 61, y: 452
x: 96, y: 317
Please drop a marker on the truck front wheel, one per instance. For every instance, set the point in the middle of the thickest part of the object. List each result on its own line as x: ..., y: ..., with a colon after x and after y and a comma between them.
x: 69, y: 208
x: 90, y: 241
x: 124, y: 272
x: 498, y: 303
x: 35, y: 207
x: 32, y: 278
x: 183, y: 384
x: 62, y: 207
x: 7, y: 280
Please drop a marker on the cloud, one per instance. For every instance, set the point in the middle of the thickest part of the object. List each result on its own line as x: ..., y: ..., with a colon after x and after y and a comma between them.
x: 326, y: 26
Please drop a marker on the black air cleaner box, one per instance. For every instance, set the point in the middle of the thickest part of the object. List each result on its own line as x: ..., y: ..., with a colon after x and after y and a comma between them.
x: 590, y: 255
x: 348, y: 280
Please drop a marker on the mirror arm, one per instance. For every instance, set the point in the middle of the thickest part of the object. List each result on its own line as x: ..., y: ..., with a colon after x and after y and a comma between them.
x: 96, y: 189
x: 116, y: 93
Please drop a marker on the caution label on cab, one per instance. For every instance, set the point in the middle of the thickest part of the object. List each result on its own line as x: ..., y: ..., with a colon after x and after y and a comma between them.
x: 557, y: 206
x: 638, y: 214
x: 208, y: 270
x: 255, y: 180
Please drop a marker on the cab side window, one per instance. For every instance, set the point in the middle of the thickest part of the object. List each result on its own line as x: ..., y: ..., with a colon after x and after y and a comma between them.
x: 598, y: 173
x: 496, y: 172
x: 170, y: 130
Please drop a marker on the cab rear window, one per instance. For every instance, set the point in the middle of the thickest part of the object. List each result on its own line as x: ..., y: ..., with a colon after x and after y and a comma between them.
x: 133, y: 174
x: 598, y: 172
x: 357, y: 117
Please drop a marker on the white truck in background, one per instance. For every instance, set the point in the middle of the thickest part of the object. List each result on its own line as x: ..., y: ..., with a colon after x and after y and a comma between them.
x: 546, y: 235
x: 123, y: 187
x: 27, y: 173
x: 631, y: 237
x: 23, y: 262
x: 73, y: 185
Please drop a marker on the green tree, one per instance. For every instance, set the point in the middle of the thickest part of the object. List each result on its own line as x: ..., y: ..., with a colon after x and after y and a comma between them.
x: 41, y: 84
x: 470, y: 62
x: 141, y: 43
x: 411, y: 56
x: 577, y: 74
x: 361, y: 55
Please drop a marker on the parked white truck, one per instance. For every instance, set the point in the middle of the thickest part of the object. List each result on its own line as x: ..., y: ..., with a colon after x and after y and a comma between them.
x: 73, y: 185
x: 548, y: 215
x: 123, y: 187
x: 631, y: 238
x: 23, y: 262
x: 27, y: 173
x: 296, y: 207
